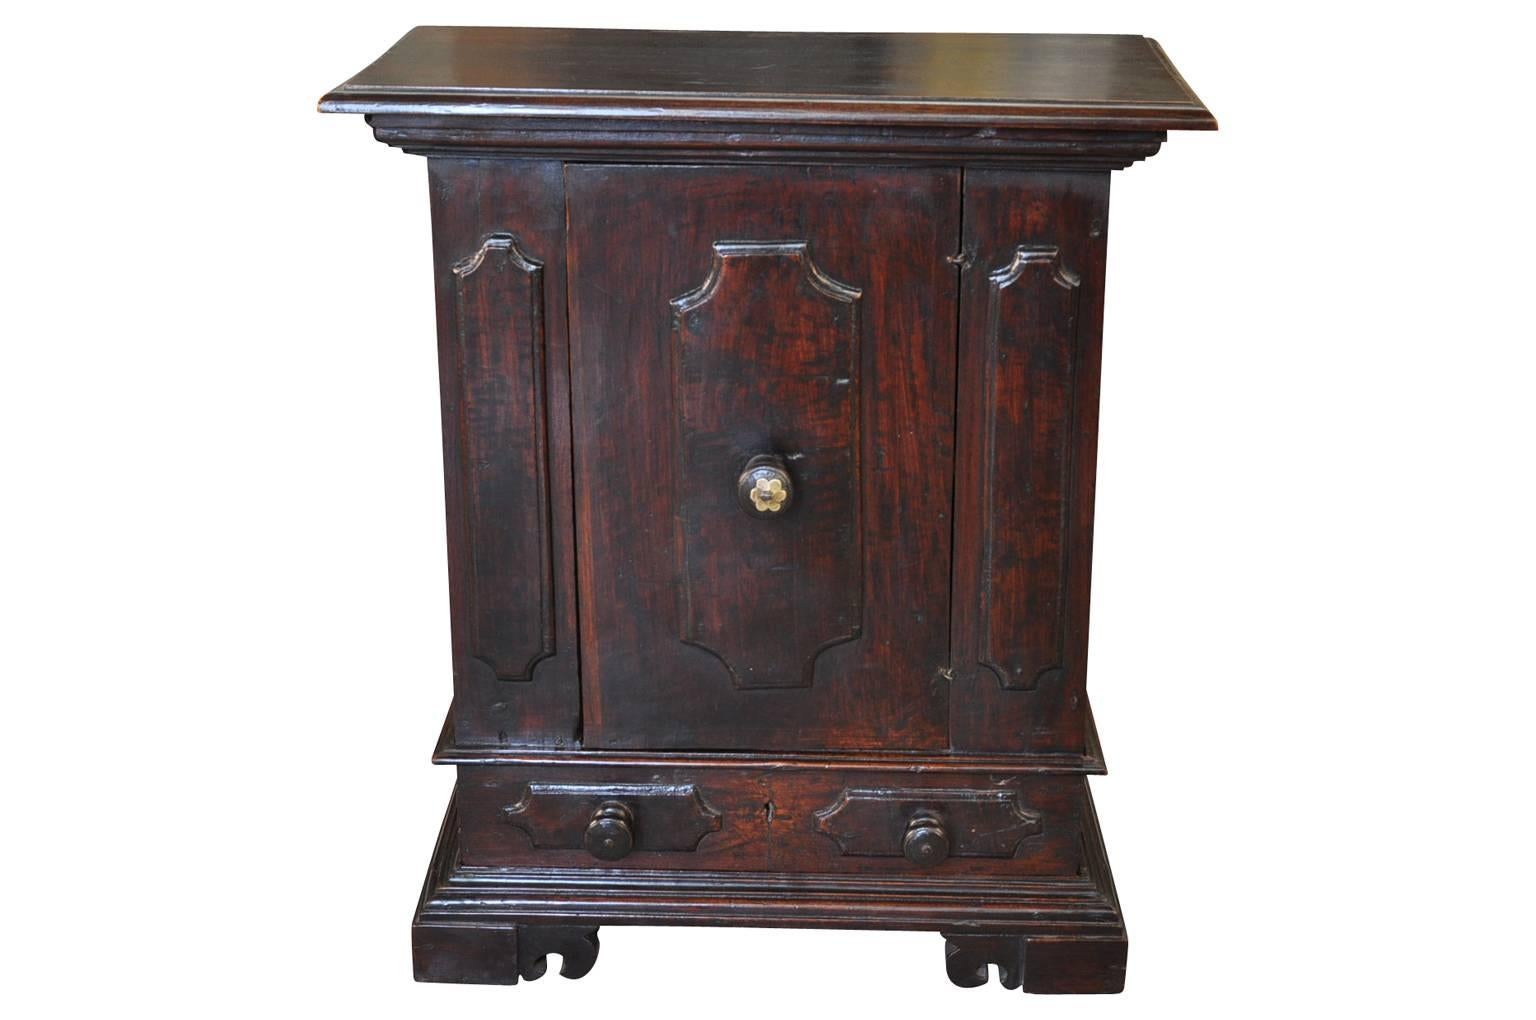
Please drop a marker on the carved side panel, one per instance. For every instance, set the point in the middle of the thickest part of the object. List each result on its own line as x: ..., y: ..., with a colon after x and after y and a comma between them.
x: 1030, y: 350
x: 499, y: 296
x: 1031, y: 319
x: 498, y: 241
x: 766, y: 361
x: 979, y: 823
x: 667, y: 817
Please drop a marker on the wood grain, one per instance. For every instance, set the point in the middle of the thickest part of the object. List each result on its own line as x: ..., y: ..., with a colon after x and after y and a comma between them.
x: 766, y: 360
x: 1030, y: 320
x: 499, y: 241
x: 801, y: 821
x: 555, y: 815
x: 886, y: 234
x: 1030, y: 360
x: 866, y: 269
x: 499, y: 310
x: 869, y: 821
x: 1120, y: 81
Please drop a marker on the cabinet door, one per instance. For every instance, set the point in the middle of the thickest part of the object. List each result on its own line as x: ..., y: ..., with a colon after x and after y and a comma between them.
x: 806, y: 316
x: 1031, y: 312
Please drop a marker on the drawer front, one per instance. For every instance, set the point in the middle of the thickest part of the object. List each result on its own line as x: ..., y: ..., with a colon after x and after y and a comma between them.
x: 812, y: 821
x: 763, y: 391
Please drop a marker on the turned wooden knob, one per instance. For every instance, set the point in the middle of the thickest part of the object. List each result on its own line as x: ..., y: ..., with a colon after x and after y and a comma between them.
x: 764, y: 487
x: 611, y: 832
x: 926, y: 842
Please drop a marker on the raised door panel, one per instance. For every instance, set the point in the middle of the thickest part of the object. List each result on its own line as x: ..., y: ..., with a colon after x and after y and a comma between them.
x: 498, y: 232
x: 721, y: 318
x: 767, y: 358
x: 1031, y: 312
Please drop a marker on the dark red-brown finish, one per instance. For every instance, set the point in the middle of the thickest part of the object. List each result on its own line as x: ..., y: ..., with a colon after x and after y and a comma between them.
x: 884, y: 821
x: 664, y: 817
x: 499, y: 308
x: 766, y: 375
x: 770, y: 381
x: 751, y: 819
x: 1043, y: 966
x: 1030, y: 321
x: 499, y: 241
x: 824, y: 335
x: 1122, y: 82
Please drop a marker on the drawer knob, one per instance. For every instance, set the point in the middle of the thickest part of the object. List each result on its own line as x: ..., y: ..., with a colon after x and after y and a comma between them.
x: 611, y: 832
x: 926, y: 842
x: 764, y: 487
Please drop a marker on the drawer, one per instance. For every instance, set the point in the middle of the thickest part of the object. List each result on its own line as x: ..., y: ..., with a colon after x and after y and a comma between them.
x: 810, y: 820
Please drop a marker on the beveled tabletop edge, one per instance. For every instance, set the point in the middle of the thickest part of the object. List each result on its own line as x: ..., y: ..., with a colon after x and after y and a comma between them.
x: 1206, y: 122
x: 694, y: 106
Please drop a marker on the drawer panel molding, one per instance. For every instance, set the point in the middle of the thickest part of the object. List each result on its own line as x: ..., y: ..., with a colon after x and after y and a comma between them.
x: 928, y: 825
x: 571, y: 816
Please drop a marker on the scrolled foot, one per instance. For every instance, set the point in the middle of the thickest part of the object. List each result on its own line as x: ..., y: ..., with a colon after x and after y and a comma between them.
x: 577, y: 948
x: 966, y: 957
x: 478, y: 954
x: 1044, y: 966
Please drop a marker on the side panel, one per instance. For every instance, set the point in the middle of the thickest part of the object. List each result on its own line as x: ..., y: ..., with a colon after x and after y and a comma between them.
x: 720, y: 315
x: 499, y: 245
x: 1031, y: 317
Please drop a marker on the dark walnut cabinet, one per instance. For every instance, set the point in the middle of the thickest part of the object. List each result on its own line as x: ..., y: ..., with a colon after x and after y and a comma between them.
x: 769, y: 372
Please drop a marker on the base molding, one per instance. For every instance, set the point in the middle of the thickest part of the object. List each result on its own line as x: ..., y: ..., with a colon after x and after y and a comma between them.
x: 495, y: 925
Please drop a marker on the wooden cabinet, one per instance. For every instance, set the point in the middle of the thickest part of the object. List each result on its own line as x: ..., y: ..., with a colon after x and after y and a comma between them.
x: 769, y: 374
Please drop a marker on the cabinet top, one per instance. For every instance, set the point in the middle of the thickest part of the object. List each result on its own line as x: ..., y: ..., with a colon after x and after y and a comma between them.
x: 1100, y: 82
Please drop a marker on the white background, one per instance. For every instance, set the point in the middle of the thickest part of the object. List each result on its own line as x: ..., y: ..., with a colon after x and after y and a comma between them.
x: 225, y: 625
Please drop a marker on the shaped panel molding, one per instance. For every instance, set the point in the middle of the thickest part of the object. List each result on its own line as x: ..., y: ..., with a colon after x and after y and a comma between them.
x: 767, y: 364
x: 666, y: 817
x: 976, y: 823
x: 499, y: 309
x: 1030, y: 364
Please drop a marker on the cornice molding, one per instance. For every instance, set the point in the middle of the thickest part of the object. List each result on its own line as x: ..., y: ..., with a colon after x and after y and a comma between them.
x: 735, y: 140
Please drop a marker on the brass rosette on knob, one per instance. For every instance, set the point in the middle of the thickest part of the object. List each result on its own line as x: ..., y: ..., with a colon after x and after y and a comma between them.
x: 764, y: 488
